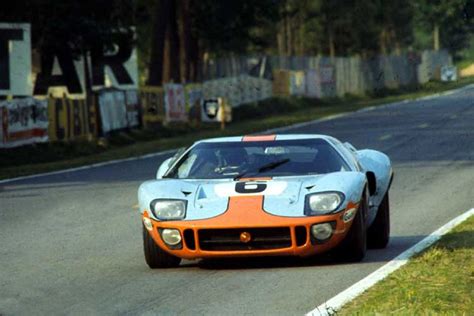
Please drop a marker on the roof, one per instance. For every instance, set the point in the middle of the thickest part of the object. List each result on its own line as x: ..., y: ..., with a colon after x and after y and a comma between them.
x: 262, y: 138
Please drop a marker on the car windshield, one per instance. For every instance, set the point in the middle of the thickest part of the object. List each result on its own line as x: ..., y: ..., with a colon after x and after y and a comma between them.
x: 220, y: 160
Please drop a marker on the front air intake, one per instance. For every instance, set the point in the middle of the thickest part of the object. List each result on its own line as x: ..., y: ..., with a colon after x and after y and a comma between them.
x: 256, y: 239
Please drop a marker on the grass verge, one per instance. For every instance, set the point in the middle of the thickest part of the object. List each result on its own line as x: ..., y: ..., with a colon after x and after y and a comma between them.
x: 250, y: 118
x: 438, y: 281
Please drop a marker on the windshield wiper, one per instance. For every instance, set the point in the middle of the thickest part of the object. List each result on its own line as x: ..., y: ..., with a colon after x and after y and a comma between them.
x: 264, y: 168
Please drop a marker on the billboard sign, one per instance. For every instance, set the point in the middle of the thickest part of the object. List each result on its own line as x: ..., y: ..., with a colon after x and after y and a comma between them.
x: 24, y: 121
x: 15, y: 59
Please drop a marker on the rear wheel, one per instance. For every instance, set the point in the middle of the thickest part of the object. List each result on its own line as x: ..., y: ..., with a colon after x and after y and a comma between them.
x: 354, y: 246
x: 379, y: 231
x: 156, y: 257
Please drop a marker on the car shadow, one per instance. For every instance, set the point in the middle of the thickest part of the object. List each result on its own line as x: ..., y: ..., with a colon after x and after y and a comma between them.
x: 396, y: 246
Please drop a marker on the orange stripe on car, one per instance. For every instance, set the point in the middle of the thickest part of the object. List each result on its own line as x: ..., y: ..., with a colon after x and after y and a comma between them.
x: 254, y: 179
x: 258, y: 138
x: 247, y: 212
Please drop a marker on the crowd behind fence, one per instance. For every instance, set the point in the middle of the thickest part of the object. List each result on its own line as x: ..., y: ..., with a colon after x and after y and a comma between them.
x: 238, y: 80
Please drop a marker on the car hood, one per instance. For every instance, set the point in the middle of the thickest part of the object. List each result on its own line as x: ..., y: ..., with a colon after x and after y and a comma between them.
x: 283, y: 196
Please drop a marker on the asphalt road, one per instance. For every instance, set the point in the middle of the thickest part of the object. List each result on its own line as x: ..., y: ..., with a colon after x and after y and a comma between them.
x: 71, y: 243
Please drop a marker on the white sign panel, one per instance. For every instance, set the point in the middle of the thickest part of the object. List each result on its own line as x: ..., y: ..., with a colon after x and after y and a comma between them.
x: 132, y: 105
x: 214, y: 110
x: 15, y: 59
x: 449, y: 73
x: 210, y: 109
x: 113, y: 112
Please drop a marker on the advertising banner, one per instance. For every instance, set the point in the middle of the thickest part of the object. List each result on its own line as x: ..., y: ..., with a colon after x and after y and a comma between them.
x: 116, y: 69
x: 24, y: 121
x: 66, y: 80
x: 297, y: 85
x: 61, y: 72
x: 15, y: 59
x: 113, y: 111
x: 175, y: 103
x: 193, y: 94
x: 313, y: 84
x: 281, y: 82
x: 71, y: 119
x: 133, y: 108
x: 152, y: 103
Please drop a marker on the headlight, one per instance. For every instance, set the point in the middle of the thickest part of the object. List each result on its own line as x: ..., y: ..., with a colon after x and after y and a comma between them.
x: 323, y: 203
x: 168, y: 209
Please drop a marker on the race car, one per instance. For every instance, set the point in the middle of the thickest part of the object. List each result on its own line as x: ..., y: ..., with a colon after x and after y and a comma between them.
x: 270, y: 195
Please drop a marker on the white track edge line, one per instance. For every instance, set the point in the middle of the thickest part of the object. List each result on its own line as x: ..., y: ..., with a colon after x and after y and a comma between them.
x: 289, y: 127
x: 370, y: 108
x: 332, y: 305
x: 95, y: 165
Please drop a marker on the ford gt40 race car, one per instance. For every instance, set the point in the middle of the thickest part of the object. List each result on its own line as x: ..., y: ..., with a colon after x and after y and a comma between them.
x: 266, y: 195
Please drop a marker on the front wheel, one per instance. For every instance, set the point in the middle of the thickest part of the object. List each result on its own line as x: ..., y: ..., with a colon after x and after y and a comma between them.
x: 354, y: 246
x: 379, y: 231
x: 156, y: 257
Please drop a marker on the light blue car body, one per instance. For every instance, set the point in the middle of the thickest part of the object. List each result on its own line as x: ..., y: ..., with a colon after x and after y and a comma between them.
x: 285, y: 195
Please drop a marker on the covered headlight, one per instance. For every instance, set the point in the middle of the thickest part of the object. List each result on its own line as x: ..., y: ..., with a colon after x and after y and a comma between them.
x: 168, y: 209
x: 322, y: 232
x: 171, y: 237
x: 324, y: 203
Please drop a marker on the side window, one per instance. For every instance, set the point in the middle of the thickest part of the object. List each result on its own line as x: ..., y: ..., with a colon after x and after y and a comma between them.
x: 348, y: 154
x: 185, y: 167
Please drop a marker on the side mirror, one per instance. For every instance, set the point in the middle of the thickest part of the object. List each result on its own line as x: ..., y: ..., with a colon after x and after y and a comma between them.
x: 372, y: 182
x: 165, y: 165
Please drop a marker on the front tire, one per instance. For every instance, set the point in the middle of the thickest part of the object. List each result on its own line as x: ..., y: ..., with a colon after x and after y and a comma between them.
x: 155, y: 257
x: 379, y: 231
x: 354, y: 246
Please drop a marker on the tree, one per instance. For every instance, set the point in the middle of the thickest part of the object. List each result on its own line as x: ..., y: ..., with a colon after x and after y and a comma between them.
x: 446, y: 19
x: 396, y: 25
x: 206, y: 27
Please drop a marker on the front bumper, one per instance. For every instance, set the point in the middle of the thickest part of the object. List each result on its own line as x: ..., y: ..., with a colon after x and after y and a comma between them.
x: 245, y: 214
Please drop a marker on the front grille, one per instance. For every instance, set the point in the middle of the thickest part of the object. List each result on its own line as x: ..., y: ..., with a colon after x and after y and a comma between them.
x: 229, y: 239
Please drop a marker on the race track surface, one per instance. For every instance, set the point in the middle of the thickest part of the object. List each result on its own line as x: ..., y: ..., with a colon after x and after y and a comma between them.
x: 71, y: 243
